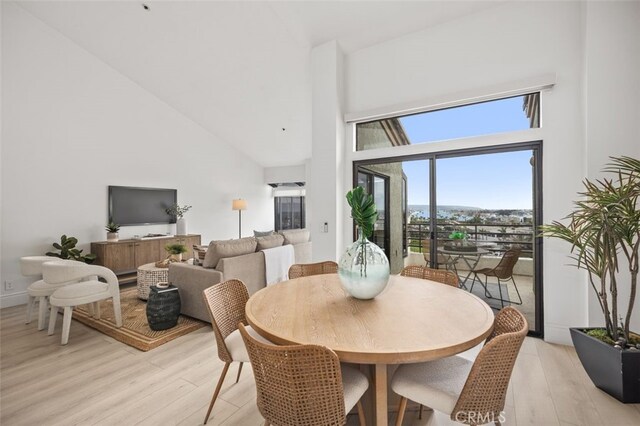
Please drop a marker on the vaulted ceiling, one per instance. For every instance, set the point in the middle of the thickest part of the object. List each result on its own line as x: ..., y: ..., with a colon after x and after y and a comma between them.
x: 239, y: 69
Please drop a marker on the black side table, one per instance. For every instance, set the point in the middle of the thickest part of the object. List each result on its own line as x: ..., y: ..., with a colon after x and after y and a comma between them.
x: 163, y: 307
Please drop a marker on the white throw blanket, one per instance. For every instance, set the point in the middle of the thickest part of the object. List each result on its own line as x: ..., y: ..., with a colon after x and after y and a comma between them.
x: 277, y: 262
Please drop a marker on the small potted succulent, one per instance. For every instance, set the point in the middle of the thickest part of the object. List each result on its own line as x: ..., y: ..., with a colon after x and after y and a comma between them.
x: 175, y: 251
x: 112, y: 231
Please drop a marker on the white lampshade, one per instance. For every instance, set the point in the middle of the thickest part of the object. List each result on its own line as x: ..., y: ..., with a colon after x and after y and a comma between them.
x: 239, y: 204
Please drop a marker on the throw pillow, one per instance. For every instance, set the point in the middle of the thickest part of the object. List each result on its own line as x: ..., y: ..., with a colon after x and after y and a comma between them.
x: 269, y: 241
x: 295, y: 236
x: 199, y: 253
x: 263, y: 233
x: 229, y: 248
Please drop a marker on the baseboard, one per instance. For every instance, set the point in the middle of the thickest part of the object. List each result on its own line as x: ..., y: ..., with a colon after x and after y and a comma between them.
x: 13, y: 299
x: 557, y: 334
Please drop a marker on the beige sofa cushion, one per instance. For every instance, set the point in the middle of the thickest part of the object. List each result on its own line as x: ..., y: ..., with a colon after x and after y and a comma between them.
x: 229, y: 248
x: 295, y: 236
x: 270, y: 241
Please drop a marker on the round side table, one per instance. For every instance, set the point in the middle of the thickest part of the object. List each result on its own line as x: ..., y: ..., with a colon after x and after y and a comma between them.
x: 163, y: 307
x: 149, y: 275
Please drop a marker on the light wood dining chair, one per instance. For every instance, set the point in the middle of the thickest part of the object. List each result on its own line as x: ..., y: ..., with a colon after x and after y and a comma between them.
x: 226, y: 302
x: 303, y: 385
x: 305, y: 270
x: 471, y: 392
x: 439, y: 275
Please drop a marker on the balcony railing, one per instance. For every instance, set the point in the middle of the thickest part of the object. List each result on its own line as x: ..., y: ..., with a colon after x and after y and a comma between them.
x: 496, y: 238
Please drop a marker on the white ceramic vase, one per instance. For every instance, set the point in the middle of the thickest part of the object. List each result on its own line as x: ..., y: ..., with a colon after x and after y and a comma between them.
x: 181, y: 226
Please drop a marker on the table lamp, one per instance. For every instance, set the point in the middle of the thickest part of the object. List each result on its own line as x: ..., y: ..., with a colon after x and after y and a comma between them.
x: 239, y: 205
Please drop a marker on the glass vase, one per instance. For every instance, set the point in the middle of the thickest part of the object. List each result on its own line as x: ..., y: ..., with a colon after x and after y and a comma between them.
x: 363, y: 269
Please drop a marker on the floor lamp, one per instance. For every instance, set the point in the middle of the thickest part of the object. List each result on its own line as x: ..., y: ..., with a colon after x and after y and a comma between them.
x: 239, y: 205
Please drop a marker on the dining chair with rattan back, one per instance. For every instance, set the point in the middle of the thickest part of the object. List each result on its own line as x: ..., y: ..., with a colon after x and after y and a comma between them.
x: 308, y: 269
x: 303, y: 385
x: 503, y: 271
x: 226, y: 304
x: 439, y: 275
x: 470, y: 392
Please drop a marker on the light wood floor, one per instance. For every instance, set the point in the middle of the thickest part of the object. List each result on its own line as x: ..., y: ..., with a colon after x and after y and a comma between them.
x: 96, y: 380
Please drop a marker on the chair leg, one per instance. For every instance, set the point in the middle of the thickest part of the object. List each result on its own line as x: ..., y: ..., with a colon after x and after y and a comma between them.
x: 66, y: 324
x: 401, y: 408
x: 420, y: 412
x: 117, y: 312
x: 501, y: 297
x: 42, y: 311
x: 239, y: 371
x: 361, y: 416
x: 53, y: 316
x: 473, y: 282
x: 30, y: 302
x: 517, y: 291
x: 96, y: 310
x: 217, y: 391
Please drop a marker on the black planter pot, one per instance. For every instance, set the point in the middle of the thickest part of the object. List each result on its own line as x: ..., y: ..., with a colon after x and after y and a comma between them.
x: 615, y: 371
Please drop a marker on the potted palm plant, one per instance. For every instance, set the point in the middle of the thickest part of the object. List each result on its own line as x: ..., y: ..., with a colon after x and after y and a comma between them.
x: 604, y: 233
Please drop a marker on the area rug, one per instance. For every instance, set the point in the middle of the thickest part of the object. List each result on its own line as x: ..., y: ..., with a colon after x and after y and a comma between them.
x: 135, y: 330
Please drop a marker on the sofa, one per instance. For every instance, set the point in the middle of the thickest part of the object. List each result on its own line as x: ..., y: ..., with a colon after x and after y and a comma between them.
x: 241, y: 259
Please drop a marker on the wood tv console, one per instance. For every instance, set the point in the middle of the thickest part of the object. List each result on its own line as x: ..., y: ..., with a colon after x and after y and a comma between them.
x: 125, y: 256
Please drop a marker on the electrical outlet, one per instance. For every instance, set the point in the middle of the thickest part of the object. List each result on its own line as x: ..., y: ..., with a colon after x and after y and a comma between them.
x: 8, y: 285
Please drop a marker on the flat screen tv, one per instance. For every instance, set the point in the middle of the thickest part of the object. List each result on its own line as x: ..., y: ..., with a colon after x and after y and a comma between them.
x: 140, y: 206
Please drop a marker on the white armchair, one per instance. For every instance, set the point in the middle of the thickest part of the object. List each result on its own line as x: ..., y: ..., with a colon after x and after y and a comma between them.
x: 31, y: 266
x: 88, y: 291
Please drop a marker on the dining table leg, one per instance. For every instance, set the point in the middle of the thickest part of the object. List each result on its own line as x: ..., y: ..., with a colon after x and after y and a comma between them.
x: 382, y: 414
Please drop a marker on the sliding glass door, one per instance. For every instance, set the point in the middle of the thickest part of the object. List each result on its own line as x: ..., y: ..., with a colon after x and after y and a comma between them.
x: 433, y: 207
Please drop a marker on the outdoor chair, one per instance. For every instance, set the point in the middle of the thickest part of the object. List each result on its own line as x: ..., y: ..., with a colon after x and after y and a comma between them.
x: 305, y: 270
x: 470, y: 392
x: 439, y: 275
x: 226, y: 302
x: 503, y: 272
x: 303, y: 385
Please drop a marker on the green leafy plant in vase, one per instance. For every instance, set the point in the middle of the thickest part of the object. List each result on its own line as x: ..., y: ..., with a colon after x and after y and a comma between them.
x: 178, y: 212
x: 364, y: 267
x: 67, y: 250
x: 112, y: 231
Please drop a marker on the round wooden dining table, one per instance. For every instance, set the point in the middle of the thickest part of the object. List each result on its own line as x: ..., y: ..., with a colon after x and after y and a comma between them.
x: 412, y: 320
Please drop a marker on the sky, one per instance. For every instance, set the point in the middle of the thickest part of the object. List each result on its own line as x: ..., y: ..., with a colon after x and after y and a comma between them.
x: 488, y: 181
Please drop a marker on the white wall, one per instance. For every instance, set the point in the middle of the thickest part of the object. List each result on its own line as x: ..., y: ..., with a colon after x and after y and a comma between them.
x: 325, y: 193
x: 73, y: 126
x: 287, y: 174
x: 508, y: 43
x: 612, y: 91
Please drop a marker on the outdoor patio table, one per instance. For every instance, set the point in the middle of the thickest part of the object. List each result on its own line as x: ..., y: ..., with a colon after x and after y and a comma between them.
x: 470, y: 258
x: 412, y: 320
